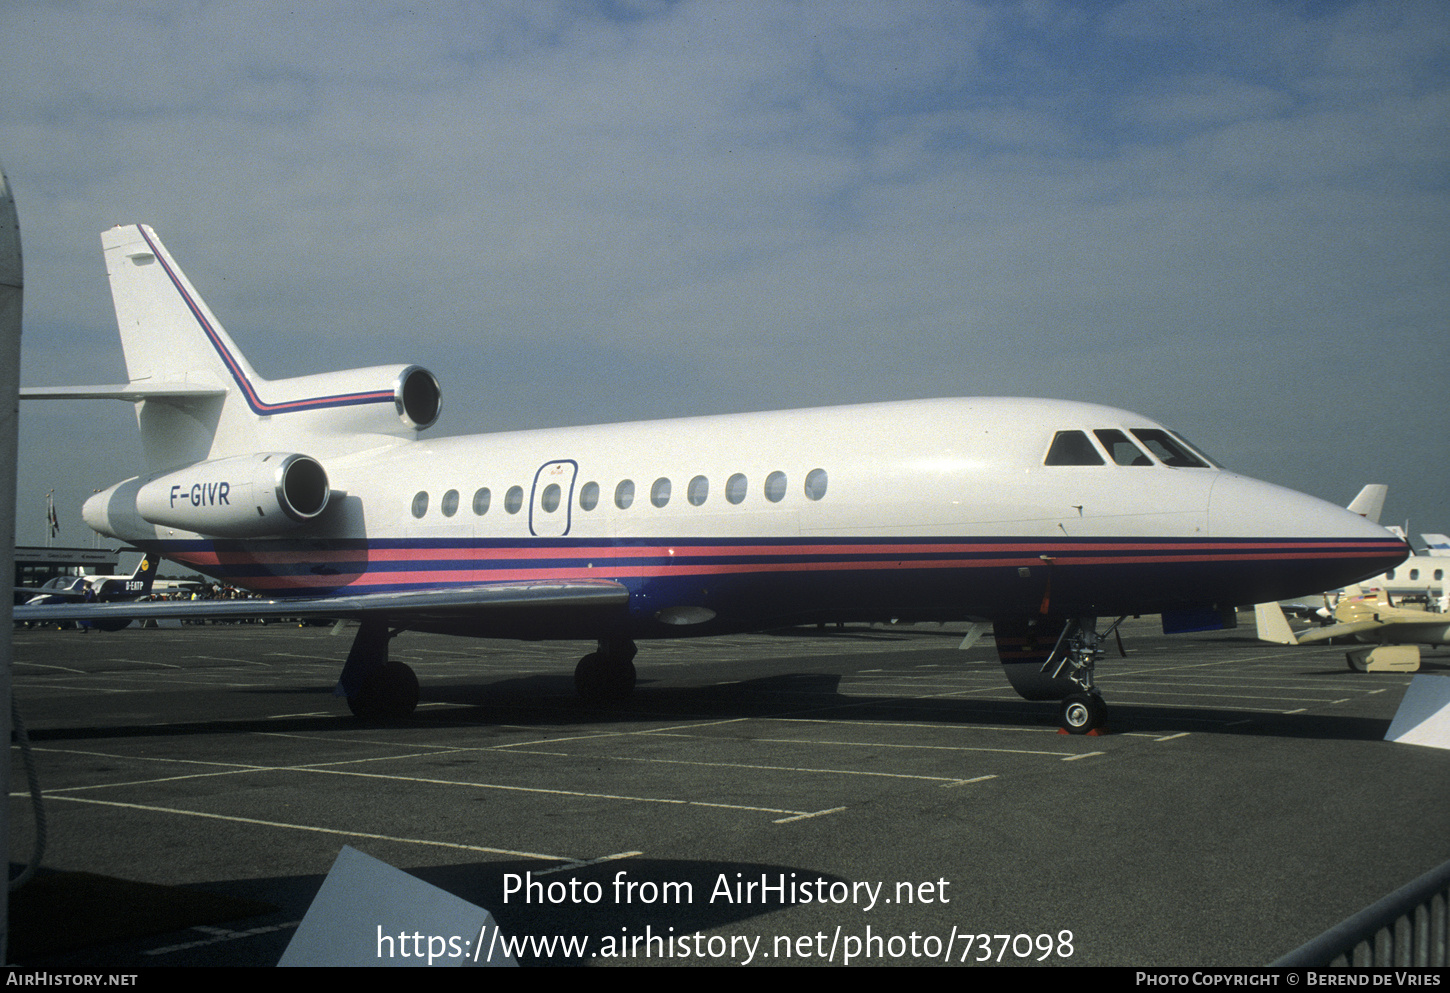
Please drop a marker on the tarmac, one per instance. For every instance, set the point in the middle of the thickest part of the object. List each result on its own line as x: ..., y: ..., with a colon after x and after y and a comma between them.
x: 871, y: 795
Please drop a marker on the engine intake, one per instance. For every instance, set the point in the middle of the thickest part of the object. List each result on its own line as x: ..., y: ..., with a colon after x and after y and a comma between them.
x: 418, y: 397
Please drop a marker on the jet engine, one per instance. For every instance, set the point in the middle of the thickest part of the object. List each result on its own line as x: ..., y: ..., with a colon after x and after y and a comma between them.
x: 246, y: 496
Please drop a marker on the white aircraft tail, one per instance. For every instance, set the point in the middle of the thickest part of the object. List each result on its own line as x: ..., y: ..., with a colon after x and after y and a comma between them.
x: 200, y: 400
x: 172, y: 340
x: 1436, y: 544
x: 168, y: 333
x: 1371, y: 502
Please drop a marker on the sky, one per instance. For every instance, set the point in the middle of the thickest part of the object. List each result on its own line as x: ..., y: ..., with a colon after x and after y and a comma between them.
x: 1232, y: 217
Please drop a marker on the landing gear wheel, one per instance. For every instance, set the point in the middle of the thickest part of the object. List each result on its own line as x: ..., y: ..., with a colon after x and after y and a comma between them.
x: 599, y: 678
x: 389, y: 692
x: 1083, y: 712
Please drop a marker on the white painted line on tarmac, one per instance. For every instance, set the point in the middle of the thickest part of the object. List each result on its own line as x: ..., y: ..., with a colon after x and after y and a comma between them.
x: 588, y: 862
x: 313, y: 828
x: 818, y: 813
x: 967, y: 782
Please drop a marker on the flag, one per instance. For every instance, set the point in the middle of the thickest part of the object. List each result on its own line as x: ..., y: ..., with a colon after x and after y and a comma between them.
x: 50, y: 517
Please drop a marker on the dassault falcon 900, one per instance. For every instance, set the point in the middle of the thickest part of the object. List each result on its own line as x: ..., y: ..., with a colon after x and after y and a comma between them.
x: 1036, y: 516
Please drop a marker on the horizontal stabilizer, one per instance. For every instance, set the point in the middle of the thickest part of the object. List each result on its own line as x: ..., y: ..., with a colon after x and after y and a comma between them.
x: 133, y: 392
x: 1436, y: 544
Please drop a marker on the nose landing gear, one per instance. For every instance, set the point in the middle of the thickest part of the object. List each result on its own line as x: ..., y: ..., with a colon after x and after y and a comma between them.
x: 1075, y: 656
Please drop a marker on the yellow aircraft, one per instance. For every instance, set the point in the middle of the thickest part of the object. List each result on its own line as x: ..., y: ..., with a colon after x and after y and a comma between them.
x: 1397, y: 632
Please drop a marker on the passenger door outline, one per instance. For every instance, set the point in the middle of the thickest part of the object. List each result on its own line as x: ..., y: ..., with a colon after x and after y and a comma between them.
x: 555, y: 524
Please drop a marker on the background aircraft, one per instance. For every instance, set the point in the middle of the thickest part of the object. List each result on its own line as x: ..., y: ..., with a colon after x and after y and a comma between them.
x: 94, y: 589
x: 1420, y: 578
x: 1370, y: 619
x: 1037, y: 516
x: 71, y: 589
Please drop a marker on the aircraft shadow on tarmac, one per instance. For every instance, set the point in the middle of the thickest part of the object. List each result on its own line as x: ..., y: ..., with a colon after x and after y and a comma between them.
x: 550, y: 700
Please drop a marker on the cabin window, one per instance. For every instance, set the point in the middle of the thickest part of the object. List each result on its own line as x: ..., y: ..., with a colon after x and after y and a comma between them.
x: 816, y: 484
x: 775, y: 487
x: 449, y: 506
x: 513, y: 499
x: 1167, y: 448
x: 1072, y: 448
x: 624, y: 494
x: 550, y: 498
x: 1439, y: 574
x: 699, y: 491
x: 1123, y: 451
x: 659, y: 493
x: 735, y: 488
x: 420, y: 503
x: 589, y: 496
x: 1414, y: 573
x: 480, y: 501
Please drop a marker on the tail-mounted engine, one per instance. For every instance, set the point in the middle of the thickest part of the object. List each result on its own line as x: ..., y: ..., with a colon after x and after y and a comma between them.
x: 392, y: 400
x: 247, y: 496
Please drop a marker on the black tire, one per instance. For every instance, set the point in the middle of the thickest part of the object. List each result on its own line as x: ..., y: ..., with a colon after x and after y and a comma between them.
x: 389, y: 693
x: 600, y: 678
x: 1083, y: 712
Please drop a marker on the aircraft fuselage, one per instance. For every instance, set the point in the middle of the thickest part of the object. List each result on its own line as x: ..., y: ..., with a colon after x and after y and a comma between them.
x: 918, y: 510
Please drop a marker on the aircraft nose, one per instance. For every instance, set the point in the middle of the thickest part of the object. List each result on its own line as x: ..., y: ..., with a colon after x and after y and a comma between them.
x: 1302, y: 542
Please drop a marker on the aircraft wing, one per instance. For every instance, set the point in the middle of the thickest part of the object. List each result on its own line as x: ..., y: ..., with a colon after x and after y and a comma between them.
x: 1433, y: 630
x: 1344, y: 631
x: 399, y: 607
x: 24, y: 594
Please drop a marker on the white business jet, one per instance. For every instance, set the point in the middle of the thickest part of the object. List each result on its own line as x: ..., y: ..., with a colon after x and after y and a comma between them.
x: 1036, y: 516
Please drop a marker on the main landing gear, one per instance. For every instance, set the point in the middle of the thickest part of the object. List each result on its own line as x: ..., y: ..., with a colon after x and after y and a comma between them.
x: 376, y: 689
x: 1075, y: 656
x: 606, y: 674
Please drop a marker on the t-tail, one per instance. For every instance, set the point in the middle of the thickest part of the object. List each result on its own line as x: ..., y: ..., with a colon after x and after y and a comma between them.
x: 228, y: 453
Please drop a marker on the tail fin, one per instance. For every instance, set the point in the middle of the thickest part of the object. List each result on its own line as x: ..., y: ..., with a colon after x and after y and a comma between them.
x: 145, y: 574
x: 139, y: 585
x: 172, y: 340
x: 167, y: 331
x: 1272, y: 625
x: 1370, y: 502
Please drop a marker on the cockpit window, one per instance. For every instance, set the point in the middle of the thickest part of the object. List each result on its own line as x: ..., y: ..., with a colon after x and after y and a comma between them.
x: 1123, y: 451
x: 1169, y: 450
x: 1072, y: 448
x: 1197, y: 450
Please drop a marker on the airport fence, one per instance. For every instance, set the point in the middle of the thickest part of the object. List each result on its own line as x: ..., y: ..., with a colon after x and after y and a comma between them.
x: 1410, y: 927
